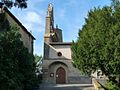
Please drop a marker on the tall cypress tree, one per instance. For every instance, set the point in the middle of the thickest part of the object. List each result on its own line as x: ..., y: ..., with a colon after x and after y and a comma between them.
x: 98, y: 44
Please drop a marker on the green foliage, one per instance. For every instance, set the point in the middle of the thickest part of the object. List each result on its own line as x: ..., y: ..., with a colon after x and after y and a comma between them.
x: 112, y: 86
x: 17, y: 66
x: 16, y: 3
x: 37, y: 58
x: 4, y: 24
x: 98, y: 44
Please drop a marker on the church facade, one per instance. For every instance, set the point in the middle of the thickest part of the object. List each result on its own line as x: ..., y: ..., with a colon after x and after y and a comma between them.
x: 57, y: 61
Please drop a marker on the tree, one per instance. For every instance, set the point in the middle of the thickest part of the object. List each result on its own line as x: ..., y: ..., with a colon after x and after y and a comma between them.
x: 38, y: 61
x: 17, y: 66
x: 16, y: 3
x: 37, y: 58
x: 4, y: 24
x: 98, y: 44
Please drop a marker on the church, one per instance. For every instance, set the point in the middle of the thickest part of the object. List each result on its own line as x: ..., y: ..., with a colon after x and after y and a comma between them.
x: 57, y: 61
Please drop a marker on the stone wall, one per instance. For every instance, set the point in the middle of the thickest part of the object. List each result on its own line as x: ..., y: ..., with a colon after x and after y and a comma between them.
x: 64, y: 49
x: 25, y: 37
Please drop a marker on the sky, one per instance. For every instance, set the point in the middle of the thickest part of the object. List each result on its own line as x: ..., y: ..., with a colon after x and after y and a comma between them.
x: 69, y: 15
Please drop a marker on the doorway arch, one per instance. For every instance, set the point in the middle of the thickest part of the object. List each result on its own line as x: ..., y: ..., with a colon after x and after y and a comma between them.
x: 60, y: 76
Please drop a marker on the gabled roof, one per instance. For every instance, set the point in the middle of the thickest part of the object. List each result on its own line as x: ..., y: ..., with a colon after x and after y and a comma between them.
x: 18, y: 22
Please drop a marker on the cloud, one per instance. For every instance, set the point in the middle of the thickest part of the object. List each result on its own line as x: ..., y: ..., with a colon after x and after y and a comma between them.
x: 62, y: 13
x: 33, y: 21
x: 32, y: 17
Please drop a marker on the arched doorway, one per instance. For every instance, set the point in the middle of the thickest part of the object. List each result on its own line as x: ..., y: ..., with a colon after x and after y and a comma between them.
x: 60, y: 76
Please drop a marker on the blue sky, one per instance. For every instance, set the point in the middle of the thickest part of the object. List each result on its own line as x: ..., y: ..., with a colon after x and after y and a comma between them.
x: 68, y: 15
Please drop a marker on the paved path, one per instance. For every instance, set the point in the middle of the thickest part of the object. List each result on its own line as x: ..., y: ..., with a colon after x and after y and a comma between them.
x: 66, y: 87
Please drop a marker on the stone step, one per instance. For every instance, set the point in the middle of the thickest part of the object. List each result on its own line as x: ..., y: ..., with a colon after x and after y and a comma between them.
x: 79, y: 80
x: 66, y: 87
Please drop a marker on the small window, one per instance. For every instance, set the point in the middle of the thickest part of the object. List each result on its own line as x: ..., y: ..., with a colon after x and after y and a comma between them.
x: 59, y: 54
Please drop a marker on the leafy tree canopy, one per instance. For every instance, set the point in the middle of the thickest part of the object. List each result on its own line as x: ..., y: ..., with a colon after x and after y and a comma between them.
x: 98, y: 43
x: 16, y: 3
x: 17, y: 66
x: 37, y: 58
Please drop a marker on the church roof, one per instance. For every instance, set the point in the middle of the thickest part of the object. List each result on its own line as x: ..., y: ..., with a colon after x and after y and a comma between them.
x: 61, y: 43
x: 17, y: 21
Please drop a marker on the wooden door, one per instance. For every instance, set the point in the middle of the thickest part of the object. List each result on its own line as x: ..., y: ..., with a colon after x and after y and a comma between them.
x: 60, y: 76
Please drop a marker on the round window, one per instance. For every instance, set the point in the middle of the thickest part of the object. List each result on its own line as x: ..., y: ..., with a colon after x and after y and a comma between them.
x: 59, y: 54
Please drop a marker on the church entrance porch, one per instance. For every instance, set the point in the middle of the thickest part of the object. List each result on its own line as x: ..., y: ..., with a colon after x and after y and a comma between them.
x: 62, y: 71
x: 57, y: 73
x: 60, y: 76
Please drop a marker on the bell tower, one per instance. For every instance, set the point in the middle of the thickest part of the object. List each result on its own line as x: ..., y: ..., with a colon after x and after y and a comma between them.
x: 49, y: 24
x: 49, y: 28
